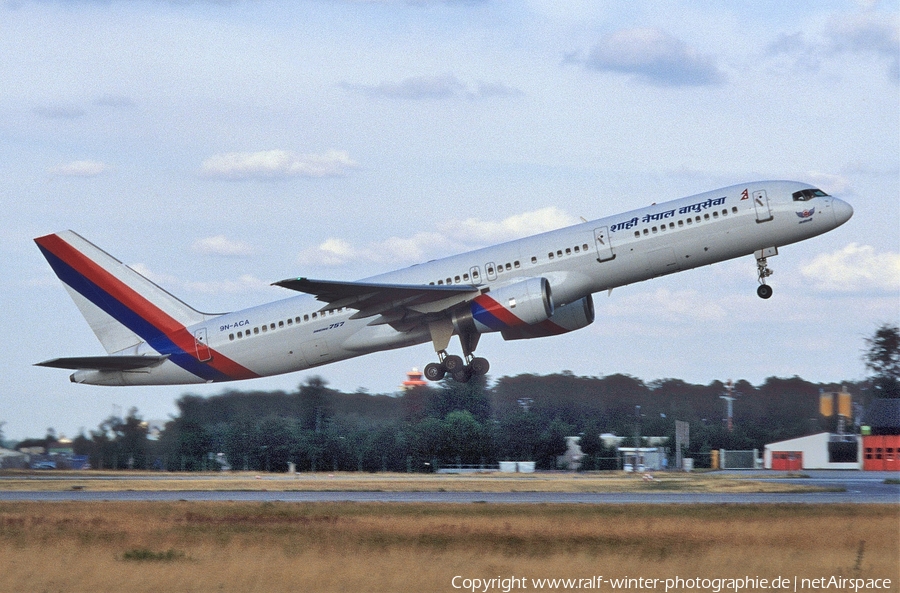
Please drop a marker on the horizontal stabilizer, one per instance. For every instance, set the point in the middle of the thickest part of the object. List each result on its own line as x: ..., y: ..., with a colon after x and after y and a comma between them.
x: 104, y: 363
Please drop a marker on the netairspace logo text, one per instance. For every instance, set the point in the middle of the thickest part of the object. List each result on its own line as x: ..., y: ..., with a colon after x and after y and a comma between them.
x: 715, y: 585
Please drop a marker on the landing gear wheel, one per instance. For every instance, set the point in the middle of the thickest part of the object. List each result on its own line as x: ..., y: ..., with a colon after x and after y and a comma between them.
x: 434, y: 371
x: 764, y: 291
x: 453, y: 363
x: 462, y: 374
x: 479, y: 367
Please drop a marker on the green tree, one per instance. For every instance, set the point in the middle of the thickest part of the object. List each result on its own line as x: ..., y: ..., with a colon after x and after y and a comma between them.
x: 883, y: 359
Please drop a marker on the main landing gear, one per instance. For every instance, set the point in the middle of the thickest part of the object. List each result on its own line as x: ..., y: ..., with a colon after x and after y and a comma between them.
x: 764, y: 291
x: 456, y: 368
x: 460, y: 369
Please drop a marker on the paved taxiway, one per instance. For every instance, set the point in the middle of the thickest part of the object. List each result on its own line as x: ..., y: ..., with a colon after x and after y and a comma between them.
x: 853, y: 487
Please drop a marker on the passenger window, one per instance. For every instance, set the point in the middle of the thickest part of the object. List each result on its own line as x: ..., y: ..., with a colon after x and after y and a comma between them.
x: 637, y: 234
x: 715, y: 215
x: 306, y: 318
x: 734, y: 209
x: 265, y: 329
x: 690, y: 221
x: 456, y: 279
x: 533, y: 259
x: 231, y: 337
x: 698, y: 218
x: 449, y: 281
x: 680, y: 223
x: 706, y: 216
x: 646, y: 231
x: 508, y: 267
x: 516, y: 264
x: 568, y: 251
x: 315, y: 315
x: 577, y: 249
x: 654, y: 229
x: 273, y: 326
x: 466, y: 277
x: 255, y: 330
x: 441, y: 282
x: 550, y: 255
x: 671, y: 225
x: 584, y: 247
x: 724, y: 212
x: 559, y: 252
x: 290, y: 321
x: 490, y: 271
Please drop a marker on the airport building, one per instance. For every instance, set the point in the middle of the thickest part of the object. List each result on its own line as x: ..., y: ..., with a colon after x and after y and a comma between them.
x: 881, y: 436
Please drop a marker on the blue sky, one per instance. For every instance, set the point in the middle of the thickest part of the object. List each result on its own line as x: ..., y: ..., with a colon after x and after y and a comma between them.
x: 221, y: 146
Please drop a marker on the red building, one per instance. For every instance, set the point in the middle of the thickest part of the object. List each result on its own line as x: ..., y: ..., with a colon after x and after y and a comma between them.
x: 881, y: 436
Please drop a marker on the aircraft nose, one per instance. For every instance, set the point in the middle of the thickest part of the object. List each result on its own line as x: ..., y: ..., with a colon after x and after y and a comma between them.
x: 842, y: 211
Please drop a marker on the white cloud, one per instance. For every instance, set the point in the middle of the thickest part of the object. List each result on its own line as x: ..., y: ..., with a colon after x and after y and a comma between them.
x: 395, y: 250
x: 276, y: 164
x: 418, y: 88
x: 221, y: 245
x: 854, y: 268
x: 245, y: 283
x: 654, y: 56
x: 79, y: 169
x: 512, y: 227
x: 452, y: 236
x: 869, y: 32
x: 681, y: 306
x: 175, y: 285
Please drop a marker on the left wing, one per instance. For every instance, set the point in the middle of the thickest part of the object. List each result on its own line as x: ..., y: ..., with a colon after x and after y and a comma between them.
x: 105, y: 363
x: 392, y: 302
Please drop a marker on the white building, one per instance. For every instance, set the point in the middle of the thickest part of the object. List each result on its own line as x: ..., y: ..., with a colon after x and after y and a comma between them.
x: 816, y: 451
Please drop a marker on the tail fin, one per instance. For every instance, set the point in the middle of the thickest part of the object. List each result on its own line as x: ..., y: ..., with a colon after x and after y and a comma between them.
x: 121, y: 306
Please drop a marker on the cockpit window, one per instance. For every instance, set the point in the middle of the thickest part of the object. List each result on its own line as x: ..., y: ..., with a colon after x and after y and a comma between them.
x: 808, y: 194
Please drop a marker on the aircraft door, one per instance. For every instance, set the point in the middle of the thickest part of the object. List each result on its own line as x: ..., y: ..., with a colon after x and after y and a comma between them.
x: 475, y: 275
x: 202, y: 344
x: 490, y: 271
x: 604, y: 246
x: 761, y: 203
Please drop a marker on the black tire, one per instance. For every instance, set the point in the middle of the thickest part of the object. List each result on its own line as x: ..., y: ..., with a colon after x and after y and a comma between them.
x: 764, y: 291
x: 434, y: 371
x: 453, y: 363
x: 479, y: 367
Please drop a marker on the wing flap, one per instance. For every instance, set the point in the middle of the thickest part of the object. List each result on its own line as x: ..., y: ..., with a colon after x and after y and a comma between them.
x: 104, y: 363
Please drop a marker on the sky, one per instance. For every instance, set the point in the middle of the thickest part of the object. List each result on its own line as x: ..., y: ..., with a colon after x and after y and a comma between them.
x: 219, y: 146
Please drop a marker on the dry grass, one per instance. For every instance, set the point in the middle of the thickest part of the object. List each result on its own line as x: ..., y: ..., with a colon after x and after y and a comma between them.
x: 271, y: 547
x: 357, y: 482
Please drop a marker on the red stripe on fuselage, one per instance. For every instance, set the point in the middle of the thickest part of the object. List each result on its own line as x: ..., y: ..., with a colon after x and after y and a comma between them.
x: 503, y: 314
x: 120, y: 291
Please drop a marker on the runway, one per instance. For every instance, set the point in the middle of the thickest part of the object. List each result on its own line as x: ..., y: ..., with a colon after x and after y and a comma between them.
x: 845, y: 488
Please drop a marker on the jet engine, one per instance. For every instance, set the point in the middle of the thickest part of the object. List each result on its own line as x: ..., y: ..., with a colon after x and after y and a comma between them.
x: 564, y: 319
x: 522, y: 304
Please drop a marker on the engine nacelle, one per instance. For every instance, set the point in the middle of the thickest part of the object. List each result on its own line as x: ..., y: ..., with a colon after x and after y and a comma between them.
x: 522, y: 304
x: 565, y: 319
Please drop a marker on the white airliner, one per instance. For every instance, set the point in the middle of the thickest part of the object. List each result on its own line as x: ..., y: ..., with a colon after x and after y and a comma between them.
x: 529, y: 288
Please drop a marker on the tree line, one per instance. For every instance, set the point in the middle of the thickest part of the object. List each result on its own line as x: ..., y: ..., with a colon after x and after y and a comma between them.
x: 521, y: 418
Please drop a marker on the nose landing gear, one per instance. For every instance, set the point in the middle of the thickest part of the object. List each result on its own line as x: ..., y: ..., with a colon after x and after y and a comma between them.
x: 764, y: 291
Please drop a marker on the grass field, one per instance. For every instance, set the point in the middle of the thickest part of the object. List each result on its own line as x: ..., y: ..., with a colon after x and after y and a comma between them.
x: 273, y: 547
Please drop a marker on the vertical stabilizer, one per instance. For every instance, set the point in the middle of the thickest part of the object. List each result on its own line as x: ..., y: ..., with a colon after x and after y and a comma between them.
x: 121, y: 306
